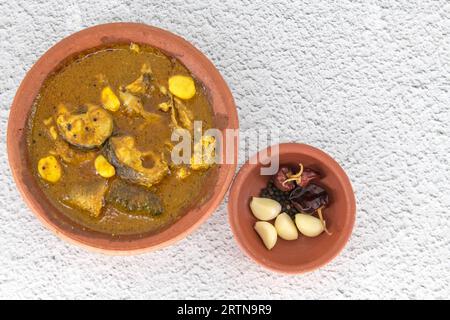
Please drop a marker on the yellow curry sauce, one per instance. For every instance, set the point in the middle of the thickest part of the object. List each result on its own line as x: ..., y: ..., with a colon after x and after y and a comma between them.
x: 108, y: 78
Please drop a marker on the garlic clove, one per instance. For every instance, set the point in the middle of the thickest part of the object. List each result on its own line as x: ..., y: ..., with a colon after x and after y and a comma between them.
x: 265, y: 209
x: 267, y: 233
x: 285, y: 227
x: 308, y: 225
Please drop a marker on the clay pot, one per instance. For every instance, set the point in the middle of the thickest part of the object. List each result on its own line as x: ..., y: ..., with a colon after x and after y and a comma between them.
x: 222, y: 104
x: 304, y: 254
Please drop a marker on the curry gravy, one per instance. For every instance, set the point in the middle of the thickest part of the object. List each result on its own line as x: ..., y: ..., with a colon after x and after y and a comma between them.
x: 80, y: 81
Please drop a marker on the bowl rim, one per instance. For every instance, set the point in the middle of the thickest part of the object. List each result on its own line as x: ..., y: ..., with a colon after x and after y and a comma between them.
x: 110, y: 33
x: 240, y: 179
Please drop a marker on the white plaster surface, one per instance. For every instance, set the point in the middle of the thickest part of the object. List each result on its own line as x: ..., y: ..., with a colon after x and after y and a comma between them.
x: 366, y: 81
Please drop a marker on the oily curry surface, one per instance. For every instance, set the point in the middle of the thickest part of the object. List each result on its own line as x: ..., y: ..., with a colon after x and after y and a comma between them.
x: 99, y: 139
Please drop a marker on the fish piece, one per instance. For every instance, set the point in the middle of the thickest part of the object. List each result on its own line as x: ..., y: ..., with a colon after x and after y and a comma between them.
x: 184, y: 114
x: 133, y: 105
x: 141, y: 85
x: 87, y: 196
x: 133, y: 199
x: 128, y: 161
x: 85, y: 130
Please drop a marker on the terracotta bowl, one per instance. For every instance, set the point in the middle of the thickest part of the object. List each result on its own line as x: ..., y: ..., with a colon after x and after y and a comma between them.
x: 304, y: 254
x: 222, y: 104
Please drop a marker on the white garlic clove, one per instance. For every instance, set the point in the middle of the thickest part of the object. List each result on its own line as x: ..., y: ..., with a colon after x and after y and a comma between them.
x: 265, y: 209
x: 308, y: 225
x: 267, y: 232
x: 285, y: 227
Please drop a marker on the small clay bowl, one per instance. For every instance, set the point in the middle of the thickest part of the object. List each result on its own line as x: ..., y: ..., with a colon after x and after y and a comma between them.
x: 225, y: 116
x: 304, y: 254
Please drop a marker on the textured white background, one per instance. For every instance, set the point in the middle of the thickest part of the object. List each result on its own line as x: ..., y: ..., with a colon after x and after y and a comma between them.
x: 367, y: 81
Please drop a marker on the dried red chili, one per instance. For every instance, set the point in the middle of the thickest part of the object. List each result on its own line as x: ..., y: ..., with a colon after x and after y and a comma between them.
x: 303, y: 177
x: 280, y: 177
x: 309, y: 199
x: 307, y: 176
